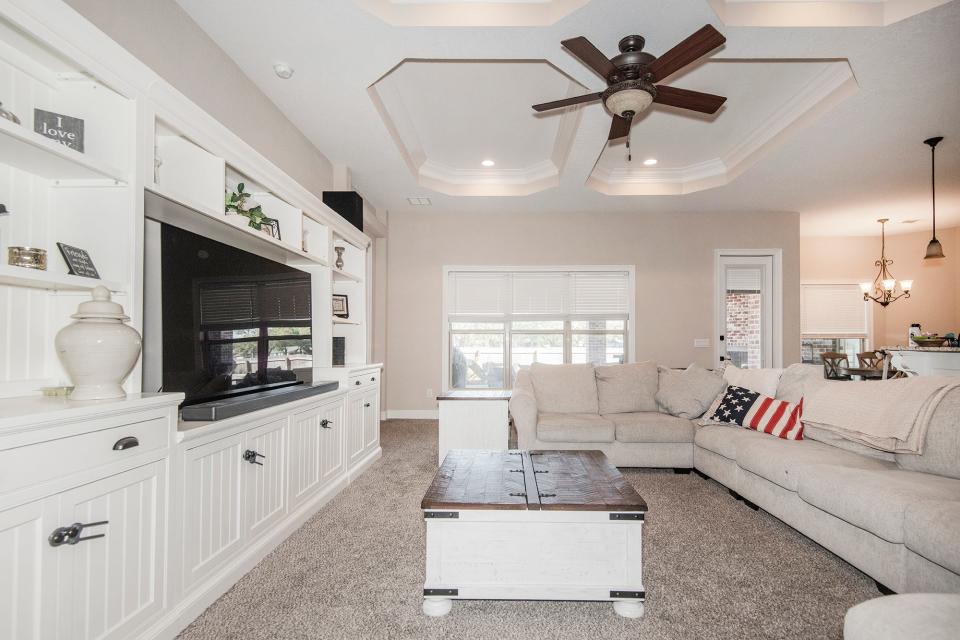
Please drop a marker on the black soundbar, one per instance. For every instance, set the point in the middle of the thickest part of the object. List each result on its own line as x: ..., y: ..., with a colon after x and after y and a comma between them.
x: 230, y: 407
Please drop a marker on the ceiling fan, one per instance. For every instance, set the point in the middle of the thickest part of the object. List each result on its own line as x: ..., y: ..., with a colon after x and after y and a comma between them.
x: 631, y: 76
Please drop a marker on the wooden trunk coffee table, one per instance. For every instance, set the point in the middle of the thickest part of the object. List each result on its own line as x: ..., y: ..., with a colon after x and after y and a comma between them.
x: 532, y: 525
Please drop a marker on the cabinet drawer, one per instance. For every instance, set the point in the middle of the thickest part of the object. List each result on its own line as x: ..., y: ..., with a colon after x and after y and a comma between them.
x: 368, y: 379
x: 43, y: 461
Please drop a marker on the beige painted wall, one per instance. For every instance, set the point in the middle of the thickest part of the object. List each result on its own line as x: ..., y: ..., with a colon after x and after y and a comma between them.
x: 935, y: 299
x: 673, y: 255
x: 164, y: 37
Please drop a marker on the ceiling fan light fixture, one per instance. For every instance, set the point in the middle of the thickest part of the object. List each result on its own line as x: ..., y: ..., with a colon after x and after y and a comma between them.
x: 632, y: 101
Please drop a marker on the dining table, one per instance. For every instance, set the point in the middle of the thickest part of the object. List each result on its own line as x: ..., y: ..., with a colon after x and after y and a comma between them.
x: 866, y: 373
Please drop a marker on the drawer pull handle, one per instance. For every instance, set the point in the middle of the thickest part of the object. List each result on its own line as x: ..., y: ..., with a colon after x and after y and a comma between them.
x: 326, y: 423
x: 251, y: 456
x: 126, y: 443
x: 366, y: 404
x: 71, y: 535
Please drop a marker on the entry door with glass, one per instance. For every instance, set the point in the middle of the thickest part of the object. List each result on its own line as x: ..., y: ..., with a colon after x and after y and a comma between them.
x: 745, y: 310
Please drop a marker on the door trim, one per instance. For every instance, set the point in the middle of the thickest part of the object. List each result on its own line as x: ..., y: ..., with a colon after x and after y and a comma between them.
x: 776, y: 298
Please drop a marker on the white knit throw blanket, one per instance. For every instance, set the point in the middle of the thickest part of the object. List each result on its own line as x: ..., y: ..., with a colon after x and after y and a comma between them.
x: 889, y: 415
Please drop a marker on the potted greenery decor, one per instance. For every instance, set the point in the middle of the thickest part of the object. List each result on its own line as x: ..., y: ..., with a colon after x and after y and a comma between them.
x: 236, y: 202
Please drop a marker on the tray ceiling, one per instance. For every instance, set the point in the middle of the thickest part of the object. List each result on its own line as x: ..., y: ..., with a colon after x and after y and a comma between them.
x: 836, y: 157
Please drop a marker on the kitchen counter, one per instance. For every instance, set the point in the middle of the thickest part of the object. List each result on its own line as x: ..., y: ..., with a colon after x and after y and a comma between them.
x: 926, y: 361
x: 931, y: 349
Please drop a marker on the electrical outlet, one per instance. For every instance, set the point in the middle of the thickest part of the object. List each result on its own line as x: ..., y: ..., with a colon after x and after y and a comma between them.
x: 430, y: 393
x: 701, y: 342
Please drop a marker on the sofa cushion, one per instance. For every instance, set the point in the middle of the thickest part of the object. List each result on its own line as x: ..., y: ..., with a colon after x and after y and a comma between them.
x: 564, y: 388
x: 941, y: 449
x: 874, y: 500
x: 688, y: 393
x: 907, y: 616
x: 779, y: 460
x: 763, y: 381
x: 651, y: 426
x: 624, y: 388
x: 574, y: 427
x: 723, y: 440
x: 796, y: 378
x: 931, y: 528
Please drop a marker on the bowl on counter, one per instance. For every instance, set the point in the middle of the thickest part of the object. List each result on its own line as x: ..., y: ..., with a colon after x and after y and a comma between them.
x: 929, y: 341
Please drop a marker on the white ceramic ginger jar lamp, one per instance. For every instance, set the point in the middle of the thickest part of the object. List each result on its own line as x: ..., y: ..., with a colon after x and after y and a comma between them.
x: 98, y: 350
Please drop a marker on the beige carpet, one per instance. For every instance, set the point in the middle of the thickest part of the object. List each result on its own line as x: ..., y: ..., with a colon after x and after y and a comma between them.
x: 713, y: 568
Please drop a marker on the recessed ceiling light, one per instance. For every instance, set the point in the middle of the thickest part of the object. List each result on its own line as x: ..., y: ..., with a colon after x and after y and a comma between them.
x: 419, y: 202
x: 283, y: 70
x: 488, y: 163
x: 650, y: 162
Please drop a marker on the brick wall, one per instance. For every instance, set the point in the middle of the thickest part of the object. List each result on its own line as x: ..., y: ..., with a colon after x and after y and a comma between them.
x: 743, y: 328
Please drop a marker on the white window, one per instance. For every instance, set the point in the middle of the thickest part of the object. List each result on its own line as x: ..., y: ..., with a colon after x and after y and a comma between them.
x: 497, y: 320
x: 833, y: 317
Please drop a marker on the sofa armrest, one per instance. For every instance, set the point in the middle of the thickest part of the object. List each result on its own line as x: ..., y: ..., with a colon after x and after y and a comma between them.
x: 523, y: 408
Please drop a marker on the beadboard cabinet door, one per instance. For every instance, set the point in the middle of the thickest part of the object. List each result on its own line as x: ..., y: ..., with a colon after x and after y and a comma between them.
x: 212, y: 506
x: 112, y: 577
x: 331, y: 442
x: 371, y: 419
x: 354, y: 434
x: 316, y: 450
x: 24, y: 558
x: 264, y: 476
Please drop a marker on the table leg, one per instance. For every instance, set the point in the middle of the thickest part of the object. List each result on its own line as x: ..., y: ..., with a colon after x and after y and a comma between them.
x: 436, y: 607
x: 628, y: 608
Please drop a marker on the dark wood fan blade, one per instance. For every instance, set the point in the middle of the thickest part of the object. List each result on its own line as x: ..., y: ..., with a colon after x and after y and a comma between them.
x: 590, y: 55
x: 619, y: 128
x: 699, y: 44
x: 686, y: 99
x: 566, y: 102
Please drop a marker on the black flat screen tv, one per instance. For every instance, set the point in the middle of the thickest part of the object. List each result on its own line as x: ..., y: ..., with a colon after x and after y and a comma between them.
x: 229, y: 322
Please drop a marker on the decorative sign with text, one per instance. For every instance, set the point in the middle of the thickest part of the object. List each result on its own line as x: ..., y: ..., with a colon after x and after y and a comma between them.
x: 78, y: 261
x: 66, y: 130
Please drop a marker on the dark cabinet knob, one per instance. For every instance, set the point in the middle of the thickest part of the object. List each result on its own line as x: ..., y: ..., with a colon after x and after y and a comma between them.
x: 72, y: 534
x: 325, y: 423
x: 126, y: 443
x: 357, y: 383
x: 251, y: 456
x: 367, y: 404
x: 373, y: 379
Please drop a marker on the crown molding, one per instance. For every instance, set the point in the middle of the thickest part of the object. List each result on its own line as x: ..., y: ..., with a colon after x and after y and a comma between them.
x: 824, y: 13
x: 470, y: 13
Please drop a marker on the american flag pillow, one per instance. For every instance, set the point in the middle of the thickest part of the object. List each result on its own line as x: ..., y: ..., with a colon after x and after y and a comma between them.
x: 761, y: 413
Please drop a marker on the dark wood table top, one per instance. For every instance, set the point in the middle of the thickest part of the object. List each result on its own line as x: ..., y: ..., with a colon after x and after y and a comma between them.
x: 532, y: 480
x: 866, y: 372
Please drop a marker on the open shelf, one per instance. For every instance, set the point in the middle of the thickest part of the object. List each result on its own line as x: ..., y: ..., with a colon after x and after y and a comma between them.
x: 182, y: 212
x: 36, y: 279
x: 343, y: 276
x: 28, y: 151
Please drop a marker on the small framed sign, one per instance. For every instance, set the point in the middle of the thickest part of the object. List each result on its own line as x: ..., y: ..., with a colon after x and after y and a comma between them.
x: 341, y: 306
x: 78, y: 261
x: 66, y: 130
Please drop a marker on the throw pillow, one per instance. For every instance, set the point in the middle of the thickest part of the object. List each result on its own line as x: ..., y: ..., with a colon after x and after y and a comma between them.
x: 763, y: 381
x: 761, y: 413
x: 626, y: 388
x: 688, y: 393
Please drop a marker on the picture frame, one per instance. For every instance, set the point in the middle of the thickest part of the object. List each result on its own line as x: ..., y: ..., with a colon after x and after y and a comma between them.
x: 273, y: 227
x: 341, y: 306
x: 78, y: 261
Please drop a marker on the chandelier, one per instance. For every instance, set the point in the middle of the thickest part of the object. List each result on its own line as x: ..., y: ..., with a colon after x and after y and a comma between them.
x: 884, y: 286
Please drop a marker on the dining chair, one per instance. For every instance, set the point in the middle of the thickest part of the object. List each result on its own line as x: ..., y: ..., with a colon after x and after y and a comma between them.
x: 832, y: 364
x: 871, y: 359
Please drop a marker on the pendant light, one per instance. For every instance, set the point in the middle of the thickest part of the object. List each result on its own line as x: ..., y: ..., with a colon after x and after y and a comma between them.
x: 934, y: 248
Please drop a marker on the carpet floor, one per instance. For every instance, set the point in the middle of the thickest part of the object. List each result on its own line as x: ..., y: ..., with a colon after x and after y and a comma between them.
x: 713, y: 568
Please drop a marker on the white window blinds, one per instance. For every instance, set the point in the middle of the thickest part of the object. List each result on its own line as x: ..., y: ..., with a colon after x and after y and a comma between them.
x: 833, y: 310
x: 547, y: 293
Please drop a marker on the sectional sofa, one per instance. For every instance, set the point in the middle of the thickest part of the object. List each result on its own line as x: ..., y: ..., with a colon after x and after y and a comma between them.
x: 895, y: 517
